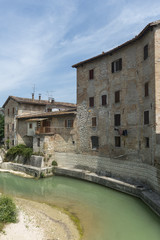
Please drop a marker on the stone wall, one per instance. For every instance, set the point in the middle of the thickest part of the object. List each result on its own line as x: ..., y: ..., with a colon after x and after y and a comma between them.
x: 130, y: 81
x: 134, y: 171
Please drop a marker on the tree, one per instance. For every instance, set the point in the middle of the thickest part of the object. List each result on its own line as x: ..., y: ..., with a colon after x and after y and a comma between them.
x: 1, y: 128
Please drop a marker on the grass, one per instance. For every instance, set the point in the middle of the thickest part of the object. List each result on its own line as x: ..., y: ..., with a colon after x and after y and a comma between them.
x: 8, y: 211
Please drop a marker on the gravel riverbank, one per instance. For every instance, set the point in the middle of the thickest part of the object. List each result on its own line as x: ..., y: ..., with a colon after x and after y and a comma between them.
x: 39, y: 221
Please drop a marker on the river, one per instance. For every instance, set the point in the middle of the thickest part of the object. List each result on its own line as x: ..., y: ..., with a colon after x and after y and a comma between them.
x: 105, y: 214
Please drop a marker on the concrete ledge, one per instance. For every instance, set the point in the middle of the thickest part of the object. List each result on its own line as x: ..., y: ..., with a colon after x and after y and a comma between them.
x: 30, y: 170
x: 151, y: 198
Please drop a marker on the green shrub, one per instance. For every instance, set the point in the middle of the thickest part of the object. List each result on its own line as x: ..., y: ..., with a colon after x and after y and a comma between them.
x: 54, y: 163
x: 8, y: 211
x: 19, y: 150
x: 42, y: 175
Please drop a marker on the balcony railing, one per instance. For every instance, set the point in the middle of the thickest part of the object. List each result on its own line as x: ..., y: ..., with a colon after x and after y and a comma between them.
x: 52, y: 130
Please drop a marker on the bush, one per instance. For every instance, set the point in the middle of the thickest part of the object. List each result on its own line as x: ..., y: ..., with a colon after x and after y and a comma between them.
x: 19, y: 150
x: 8, y: 211
x: 54, y: 163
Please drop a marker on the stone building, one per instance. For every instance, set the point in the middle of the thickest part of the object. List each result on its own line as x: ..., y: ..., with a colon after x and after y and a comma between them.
x: 15, y: 108
x: 118, y: 111
x: 49, y: 132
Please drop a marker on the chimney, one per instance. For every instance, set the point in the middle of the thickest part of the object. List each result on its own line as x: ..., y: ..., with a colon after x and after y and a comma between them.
x: 32, y: 96
x: 39, y: 97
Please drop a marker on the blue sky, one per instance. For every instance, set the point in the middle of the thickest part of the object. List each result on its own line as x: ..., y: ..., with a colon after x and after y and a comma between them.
x: 41, y: 39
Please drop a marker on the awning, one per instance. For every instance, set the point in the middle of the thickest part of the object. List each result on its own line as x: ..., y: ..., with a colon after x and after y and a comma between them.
x: 36, y: 119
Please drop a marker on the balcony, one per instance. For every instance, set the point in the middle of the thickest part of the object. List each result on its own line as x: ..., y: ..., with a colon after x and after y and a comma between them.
x: 53, y: 130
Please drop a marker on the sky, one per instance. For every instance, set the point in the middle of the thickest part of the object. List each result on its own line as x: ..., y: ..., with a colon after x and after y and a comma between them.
x: 41, y: 39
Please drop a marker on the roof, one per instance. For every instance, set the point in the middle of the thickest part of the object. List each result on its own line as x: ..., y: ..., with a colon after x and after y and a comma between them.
x: 141, y: 34
x: 38, y: 102
x: 46, y: 114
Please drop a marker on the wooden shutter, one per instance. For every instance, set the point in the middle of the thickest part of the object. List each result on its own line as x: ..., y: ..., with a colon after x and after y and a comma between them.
x: 91, y: 74
x: 94, y: 122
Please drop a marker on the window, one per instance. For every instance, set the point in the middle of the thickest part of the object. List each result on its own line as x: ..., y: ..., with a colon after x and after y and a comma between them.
x: 8, y: 112
x: 147, y: 142
x: 69, y: 123
x: 12, y: 127
x: 146, y: 89
x: 145, y: 52
x: 30, y: 125
x: 95, y: 142
x: 146, y: 117
x: 91, y: 101
x: 91, y: 74
x: 49, y: 110
x: 116, y: 65
x: 8, y: 128
x: 117, y: 119
x: 13, y: 111
x: 12, y: 142
x: 38, y: 142
x: 117, y: 96
x: 94, y: 122
x: 104, y: 100
x: 117, y: 141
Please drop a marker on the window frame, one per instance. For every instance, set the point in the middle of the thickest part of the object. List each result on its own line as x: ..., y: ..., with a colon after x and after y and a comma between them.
x: 95, y: 142
x: 69, y: 123
x: 117, y: 119
x: 94, y: 122
x: 146, y: 89
x: 91, y: 74
x: 116, y: 65
x: 104, y: 100
x: 117, y: 96
x: 145, y: 52
x: 91, y: 101
x: 146, y: 117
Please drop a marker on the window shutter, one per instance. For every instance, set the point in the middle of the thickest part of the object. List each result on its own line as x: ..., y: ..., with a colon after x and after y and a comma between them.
x: 120, y: 64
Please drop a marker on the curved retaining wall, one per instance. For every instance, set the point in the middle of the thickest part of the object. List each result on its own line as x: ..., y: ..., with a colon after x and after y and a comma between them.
x: 132, y: 172
x: 151, y: 198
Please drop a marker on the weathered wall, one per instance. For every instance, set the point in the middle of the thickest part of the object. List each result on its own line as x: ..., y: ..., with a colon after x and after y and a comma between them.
x: 120, y: 168
x: 130, y: 82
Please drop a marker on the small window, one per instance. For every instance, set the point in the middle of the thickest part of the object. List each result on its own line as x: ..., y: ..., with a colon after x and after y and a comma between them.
x: 12, y: 142
x: 8, y: 112
x: 69, y: 123
x: 49, y: 110
x: 30, y: 125
x: 12, y: 127
x: 145, y: 52
x: 91, y: 74
x: 116, y: 65
x: 117, y: 141
x: 117, y: 96
x: 147, y: 142
x: 104, y: 100
x: 95, y: 142
x: 91, y: 101
x: 8, y: 128
x: 146, y: 89
x: 13, y: 111
x: 117, y: 120
x: 94, y: 122
x: 146, y: 117
x: 38, y: 142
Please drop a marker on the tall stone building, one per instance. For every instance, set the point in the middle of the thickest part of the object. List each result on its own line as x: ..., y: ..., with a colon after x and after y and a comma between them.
x: 118, y: 109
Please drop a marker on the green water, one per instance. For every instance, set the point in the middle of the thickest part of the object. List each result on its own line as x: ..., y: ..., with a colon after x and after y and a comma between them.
x: 105, y: 214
